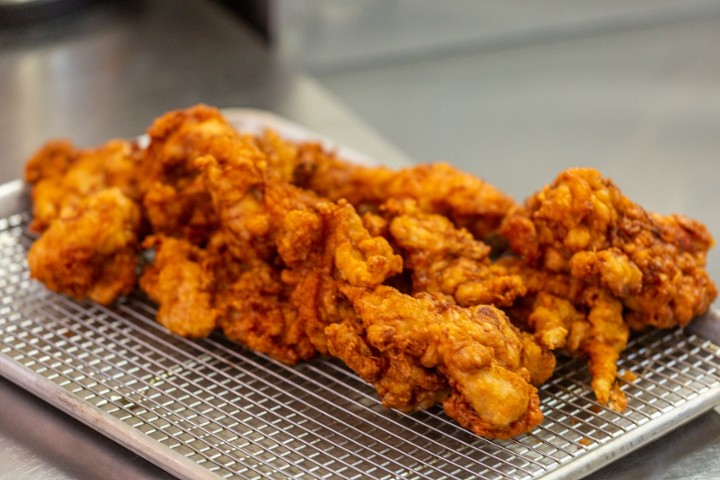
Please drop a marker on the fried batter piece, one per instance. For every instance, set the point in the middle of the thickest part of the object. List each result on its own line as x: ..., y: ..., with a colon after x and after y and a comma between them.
x: 178, y: 283
x: 91, y: 249
x: 468, y: 201
x: 287, y: 239
x: 421, y: 350
x: 446, y: 260
x: 592, y: 326
x: 62, y: 175
x: 611, y: 266
x: 175, y: 199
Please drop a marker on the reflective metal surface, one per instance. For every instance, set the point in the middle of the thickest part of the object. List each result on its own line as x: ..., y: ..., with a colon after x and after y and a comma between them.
x: 111, y: 69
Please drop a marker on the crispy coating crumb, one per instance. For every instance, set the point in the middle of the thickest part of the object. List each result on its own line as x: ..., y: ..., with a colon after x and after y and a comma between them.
x: 179, y: 284
x: 62, y: 176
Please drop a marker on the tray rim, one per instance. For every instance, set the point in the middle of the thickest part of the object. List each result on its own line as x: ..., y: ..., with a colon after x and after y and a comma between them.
x: 104, y: 423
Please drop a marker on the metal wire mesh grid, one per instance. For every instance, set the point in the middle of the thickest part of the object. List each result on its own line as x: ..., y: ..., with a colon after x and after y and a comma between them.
x: 242, y: 415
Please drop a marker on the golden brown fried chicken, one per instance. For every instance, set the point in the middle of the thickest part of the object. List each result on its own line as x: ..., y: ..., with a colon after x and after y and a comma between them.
x: 584, y: 226
x: 282, y: 155
x: 446, y: 260
x: 438, y: 188
x: 91, y: 249
x: 421, y: 350
x: 62, y: 175
x: 611, y: 265
x: 175, y: 199
x: 261, y: 238
x: 591, y: 326
x: 287, y: 240
x: 180, y: 285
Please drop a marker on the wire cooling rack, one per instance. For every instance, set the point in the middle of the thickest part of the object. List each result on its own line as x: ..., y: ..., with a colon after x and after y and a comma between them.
x: 210, y: 409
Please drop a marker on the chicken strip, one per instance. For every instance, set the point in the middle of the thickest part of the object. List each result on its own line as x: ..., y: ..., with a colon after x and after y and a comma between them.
x: 63, y: 176
x: 91, y: 250
x: 177, y: 281
x: 268, y: 222
x: 468, y: 201
x: 175, y: 199
x: 446, y: 260
x: 468, y: 358
x: 612, y: 267
x: 584, y: 226
x: 449, y: 263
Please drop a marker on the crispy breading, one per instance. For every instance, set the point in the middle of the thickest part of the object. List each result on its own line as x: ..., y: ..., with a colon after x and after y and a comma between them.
x: 467, y: 200
x: 62, y: 175
x: 598, y: 265
x: 294, y: 252
x: 91, y: 249
x: 177, y: 281
x: 175, y: 199
x: 293, y: 238
x: 476, y: 350
x: 446, y: 260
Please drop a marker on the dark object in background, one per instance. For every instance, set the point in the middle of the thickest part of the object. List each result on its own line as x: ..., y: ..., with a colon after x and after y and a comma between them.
x: 256, y: 13
x: 15, y: 12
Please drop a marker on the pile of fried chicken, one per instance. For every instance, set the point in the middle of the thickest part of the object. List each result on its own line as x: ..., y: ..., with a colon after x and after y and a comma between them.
x: 431, y: 284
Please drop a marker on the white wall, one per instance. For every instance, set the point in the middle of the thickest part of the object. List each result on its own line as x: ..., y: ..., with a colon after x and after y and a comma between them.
x: 321, y: 35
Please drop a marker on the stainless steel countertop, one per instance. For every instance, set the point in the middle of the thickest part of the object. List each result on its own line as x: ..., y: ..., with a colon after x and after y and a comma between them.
x: 108, y: 71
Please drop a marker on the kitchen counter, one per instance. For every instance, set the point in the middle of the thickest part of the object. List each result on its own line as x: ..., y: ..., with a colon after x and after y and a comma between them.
x: 108, y: 71
x: 112, y: 68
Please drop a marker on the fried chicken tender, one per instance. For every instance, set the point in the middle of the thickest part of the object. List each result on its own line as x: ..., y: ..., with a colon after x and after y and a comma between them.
x: 177, y: 281
x: 584, y: 226
x: 62, y: 175
x: 449, y: 263
x: 91, y: 249
x: 421, y: 350
x: 446, y: 260
x: 266, y: 221
x: 175, y: 199
x: 468, y: 201
x: 294, y: 252
x: 612, y: 266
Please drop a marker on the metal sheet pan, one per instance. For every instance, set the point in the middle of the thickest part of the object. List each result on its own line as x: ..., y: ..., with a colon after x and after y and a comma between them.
x: 210, y: 409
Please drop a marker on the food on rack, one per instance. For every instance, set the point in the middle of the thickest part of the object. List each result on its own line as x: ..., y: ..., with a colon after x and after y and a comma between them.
x: 403, y: 275
x: 287, y: 256
x: 62, y: 175
x: 599, y: 265
x: 468, y: 201
x: 282, y: 242
x: 174, y: 197
x: 91, y: 249
x: 445, y: 260
x: 177, y: 281
x: 420, y: 350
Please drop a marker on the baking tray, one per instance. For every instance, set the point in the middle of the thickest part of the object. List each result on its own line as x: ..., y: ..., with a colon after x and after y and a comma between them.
x: 211, y: 409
